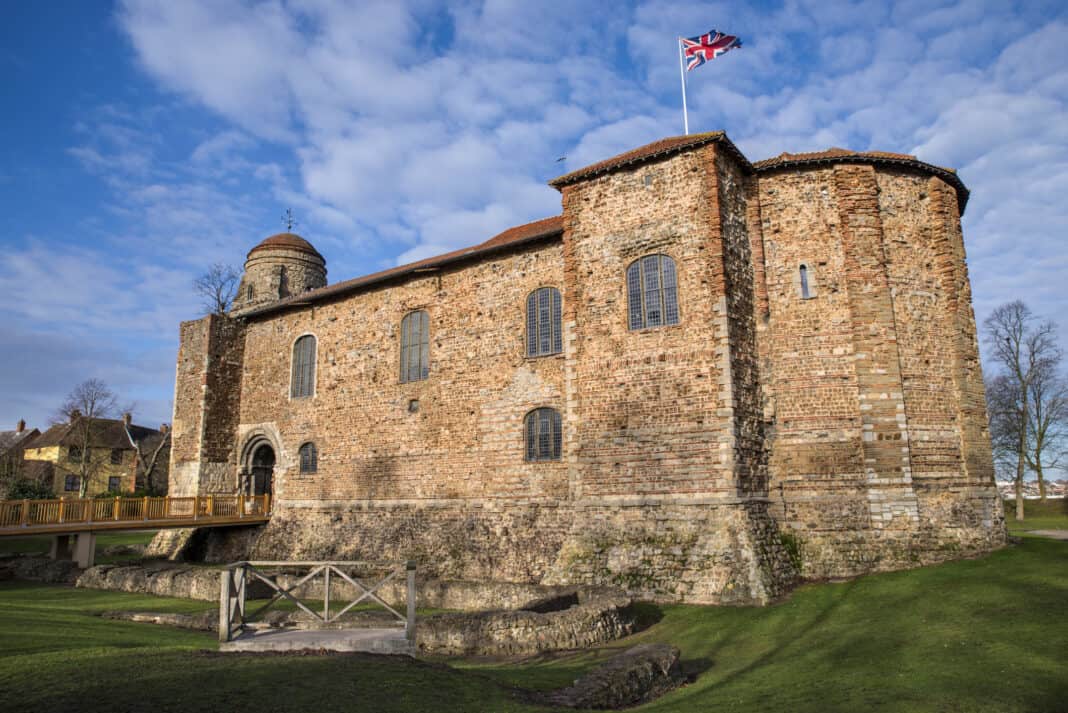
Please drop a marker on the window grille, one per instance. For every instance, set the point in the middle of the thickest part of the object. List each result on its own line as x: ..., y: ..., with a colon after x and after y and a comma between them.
x: 116, y: 456
x: 302, y: 382
x: 309, y: 458
x: 71, y: 483
x: 543, y: 435
x: 543, y: 322
x: 804, y: 283
x: 415, y: 347
x: 652, y: 292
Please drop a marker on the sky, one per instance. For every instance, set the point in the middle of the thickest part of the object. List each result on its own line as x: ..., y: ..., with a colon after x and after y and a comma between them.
x: 145, y: 140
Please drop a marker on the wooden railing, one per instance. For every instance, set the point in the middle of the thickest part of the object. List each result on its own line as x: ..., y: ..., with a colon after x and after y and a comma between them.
x: 235, y: 579
x: 30, y: 514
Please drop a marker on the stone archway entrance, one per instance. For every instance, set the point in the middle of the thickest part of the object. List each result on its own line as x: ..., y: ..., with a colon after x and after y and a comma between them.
x: 262, y: 470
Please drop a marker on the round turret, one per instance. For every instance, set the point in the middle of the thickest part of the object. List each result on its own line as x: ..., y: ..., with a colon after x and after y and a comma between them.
x: 281, y: 266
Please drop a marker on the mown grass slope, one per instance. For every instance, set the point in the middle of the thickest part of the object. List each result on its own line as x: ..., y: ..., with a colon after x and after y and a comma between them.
x: 989, y: 634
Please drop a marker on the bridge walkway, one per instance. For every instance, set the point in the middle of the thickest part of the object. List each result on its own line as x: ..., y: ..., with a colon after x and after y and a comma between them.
x: 84, y: 517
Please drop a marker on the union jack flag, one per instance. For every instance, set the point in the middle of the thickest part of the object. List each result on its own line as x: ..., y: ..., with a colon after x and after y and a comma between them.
x: 707, y: 47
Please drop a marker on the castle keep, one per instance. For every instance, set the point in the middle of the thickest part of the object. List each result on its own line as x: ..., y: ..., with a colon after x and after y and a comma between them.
x: 704, y: 377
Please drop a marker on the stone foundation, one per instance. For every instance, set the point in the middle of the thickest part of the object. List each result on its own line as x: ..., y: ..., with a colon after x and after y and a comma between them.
x: 709, y: 553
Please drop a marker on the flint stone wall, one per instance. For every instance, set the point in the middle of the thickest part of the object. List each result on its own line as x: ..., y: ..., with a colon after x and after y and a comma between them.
x: 596, y: 618
x: 839, y: 432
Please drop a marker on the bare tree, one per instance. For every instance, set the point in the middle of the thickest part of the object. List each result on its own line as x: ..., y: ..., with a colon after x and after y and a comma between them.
x: 1002, y: 405
x: 217, y: 288
x: 86, y: 404
x: 1047, y: 427
x: 1024, y: 348
x: 148, y: 453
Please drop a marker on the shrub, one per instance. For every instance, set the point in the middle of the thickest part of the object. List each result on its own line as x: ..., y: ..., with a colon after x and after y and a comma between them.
x: 26, y: 489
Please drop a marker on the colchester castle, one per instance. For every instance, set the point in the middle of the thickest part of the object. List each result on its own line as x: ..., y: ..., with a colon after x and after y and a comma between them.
x: 705, y: 378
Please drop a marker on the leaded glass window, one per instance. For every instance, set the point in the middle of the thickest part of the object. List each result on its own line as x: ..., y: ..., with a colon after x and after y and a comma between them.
x: 543, y: 435
x: 415, y: 347
x: 543, y: 322
x: 302, y: 382
x: 652, y: 292
x: 309, y: 458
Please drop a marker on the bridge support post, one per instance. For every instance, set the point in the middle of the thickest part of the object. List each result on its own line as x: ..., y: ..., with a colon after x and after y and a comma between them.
x: 409, y: 624
x: 85, y: 549
x: 60, y: 547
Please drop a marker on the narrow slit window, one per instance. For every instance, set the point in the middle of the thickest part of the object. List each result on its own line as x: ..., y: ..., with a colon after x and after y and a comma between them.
x: 544, y: 438
x: 415, y: 347
x: 543, y: 322
x: 309, y: 458
x: 302, y: 381
x: 804, y: 283
x: 652, y: 292
x: 249, y: 293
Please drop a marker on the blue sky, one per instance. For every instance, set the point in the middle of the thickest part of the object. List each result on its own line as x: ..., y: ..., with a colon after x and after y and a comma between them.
x: 144, y: 140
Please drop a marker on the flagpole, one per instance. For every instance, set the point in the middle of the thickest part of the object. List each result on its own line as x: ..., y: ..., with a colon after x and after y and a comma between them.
x: 682, y: 77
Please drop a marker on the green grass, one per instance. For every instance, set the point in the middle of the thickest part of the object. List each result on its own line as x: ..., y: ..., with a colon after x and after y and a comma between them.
x: 989, y: 634
x: 41, y: 544
x: 1038, y: 515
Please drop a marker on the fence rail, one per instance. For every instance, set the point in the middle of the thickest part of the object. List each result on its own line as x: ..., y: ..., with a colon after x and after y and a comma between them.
x: 233, y: 619
x: 26, y: 516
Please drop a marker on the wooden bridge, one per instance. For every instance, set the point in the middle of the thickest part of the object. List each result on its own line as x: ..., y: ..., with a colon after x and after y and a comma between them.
x: 84, y: 517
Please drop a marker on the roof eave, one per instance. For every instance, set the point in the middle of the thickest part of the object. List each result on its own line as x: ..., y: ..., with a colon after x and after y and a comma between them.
x: 584, y: 174
x: 945, y: 174
x: 307, y: 299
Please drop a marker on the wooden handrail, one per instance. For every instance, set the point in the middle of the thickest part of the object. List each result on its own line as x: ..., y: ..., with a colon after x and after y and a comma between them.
x: 26, y: 515
x: 234, y: 589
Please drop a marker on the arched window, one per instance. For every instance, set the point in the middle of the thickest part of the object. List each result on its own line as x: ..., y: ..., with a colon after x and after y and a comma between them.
x: 543, y: 435
x: 309, y: 458
x: 804, y: 282
x: 543, y: 322
x: 415, y: 347
x: 302, y: 382
x: 652, y: 292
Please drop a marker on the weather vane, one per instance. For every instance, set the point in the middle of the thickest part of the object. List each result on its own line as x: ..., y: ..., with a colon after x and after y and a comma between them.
x: 289, y: 220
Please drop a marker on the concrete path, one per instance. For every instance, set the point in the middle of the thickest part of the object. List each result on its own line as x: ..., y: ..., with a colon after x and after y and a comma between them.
x: 375, y: 641
x: 1052, y: 534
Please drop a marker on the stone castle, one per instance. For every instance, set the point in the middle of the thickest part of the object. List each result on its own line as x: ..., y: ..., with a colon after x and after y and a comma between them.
x: 704, y: 378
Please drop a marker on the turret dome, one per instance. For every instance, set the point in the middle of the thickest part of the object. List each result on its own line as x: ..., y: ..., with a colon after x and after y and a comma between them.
x: 280, y: 266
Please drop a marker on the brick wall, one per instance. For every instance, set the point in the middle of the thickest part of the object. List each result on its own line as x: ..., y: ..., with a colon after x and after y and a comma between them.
x: 700, y: 460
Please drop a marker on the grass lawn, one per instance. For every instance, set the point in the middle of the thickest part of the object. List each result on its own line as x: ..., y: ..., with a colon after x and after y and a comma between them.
x: 978, y: 635
x: 41, y: 544
x: 1038, y: 515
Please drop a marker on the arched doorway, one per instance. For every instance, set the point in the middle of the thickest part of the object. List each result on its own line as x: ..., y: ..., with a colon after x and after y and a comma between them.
x: 262, y: 470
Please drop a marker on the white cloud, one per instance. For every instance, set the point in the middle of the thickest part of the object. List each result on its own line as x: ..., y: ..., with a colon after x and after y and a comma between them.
x: 398, y: 130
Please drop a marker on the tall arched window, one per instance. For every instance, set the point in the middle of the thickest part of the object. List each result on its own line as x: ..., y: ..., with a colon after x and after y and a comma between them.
x: 543, y: 322
x: 309, y: 458
x: 302, y: 381
x: 543, y: 435
x: 415, y: 347
x: 804, y: 282
x: 652, y: 292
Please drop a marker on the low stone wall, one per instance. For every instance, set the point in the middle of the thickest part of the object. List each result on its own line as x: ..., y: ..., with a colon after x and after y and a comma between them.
x: 638, y: 675
x: 598, y: 617
x: 39, y: 569
x: 182, y: 582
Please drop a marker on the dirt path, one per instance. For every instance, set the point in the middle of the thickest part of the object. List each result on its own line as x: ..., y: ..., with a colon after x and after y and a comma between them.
x: 1052, y: 534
